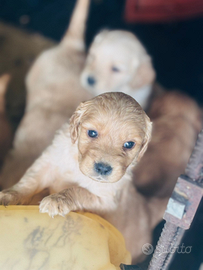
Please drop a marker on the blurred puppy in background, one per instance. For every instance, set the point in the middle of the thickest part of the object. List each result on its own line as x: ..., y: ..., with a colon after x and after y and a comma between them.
x: 5, y: 127
x: 53, y: 93
x: 117, y: 61
x: 177, y: 120
x: 89, y: 166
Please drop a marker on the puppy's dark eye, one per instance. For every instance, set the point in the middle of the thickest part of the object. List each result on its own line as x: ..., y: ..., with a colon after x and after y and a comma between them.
x: 128, y: 145
x: 92, y: 133
x: 115, y: 69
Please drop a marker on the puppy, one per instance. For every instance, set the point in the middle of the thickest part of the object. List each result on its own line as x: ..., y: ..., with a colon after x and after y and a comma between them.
x: 88, y: 167
x: 117, y: 61
x: 53, y: 93
x: 177, y: 120
x: 5, y: 127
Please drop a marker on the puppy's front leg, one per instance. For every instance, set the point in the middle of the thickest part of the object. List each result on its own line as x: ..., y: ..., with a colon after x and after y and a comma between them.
x: 71, y: 199
x: 34, y: 181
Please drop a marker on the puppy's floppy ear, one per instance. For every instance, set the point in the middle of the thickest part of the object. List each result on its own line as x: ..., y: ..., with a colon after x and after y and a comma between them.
x: 147, y: 138
x: 143, y: 75
x: 75, y: 122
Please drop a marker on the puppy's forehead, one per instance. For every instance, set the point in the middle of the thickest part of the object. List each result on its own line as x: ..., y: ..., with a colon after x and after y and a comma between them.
x: 111, y: 50
x: 127, y: 122
x: 115, y: 130
x: 113, y: 104
x: 116, y: 42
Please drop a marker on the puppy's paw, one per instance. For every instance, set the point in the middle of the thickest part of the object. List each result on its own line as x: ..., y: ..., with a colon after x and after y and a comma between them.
x: 9, y: 197
x: 55, y: 204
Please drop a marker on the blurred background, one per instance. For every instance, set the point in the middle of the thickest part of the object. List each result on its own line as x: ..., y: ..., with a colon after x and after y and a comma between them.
x: 171, y: 31
x: 175, y: 42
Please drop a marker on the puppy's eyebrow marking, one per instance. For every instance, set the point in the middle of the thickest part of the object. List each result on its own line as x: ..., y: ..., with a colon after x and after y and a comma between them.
x: 88, y: 127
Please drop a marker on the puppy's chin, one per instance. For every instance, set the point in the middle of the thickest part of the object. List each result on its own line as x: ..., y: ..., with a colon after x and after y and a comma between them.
x: 101, y: 179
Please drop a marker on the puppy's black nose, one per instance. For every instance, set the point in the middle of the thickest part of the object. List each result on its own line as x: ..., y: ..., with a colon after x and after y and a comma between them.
x: 103, y: 169
x: 91, y: 80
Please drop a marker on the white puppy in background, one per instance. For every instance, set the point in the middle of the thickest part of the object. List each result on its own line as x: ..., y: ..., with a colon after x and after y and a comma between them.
x: 117, y: 61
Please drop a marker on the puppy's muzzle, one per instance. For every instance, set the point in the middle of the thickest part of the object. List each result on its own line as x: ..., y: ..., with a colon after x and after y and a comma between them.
x: 91, y: 80
x: 102, y: 168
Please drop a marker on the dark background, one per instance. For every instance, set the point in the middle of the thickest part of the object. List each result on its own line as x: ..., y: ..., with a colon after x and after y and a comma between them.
x: 176, y: 49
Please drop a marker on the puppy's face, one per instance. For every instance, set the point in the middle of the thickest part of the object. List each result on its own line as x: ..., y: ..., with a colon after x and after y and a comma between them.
x: 112, y: 132
x: 116, y: 59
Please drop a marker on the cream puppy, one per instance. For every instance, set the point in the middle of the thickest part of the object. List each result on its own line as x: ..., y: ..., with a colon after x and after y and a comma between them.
x: 117, y: 61
x: 53, y: 93
x: 88, y: 167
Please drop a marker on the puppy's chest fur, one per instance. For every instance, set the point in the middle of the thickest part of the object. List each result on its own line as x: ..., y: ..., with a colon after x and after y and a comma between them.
x: 62, y: 156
